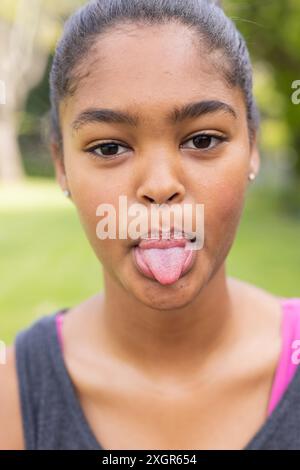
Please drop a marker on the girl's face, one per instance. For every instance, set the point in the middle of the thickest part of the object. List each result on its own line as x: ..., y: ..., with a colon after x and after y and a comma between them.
x: 146, y: 72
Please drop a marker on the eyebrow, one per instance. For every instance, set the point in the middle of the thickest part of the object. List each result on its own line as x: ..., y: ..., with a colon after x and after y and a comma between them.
x: 178, y: 114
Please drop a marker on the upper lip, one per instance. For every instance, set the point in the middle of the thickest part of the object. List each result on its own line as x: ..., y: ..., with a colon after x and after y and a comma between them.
x: 157, y: 234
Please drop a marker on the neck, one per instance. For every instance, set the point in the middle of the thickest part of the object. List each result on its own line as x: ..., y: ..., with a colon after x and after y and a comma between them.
x: 170, y: 339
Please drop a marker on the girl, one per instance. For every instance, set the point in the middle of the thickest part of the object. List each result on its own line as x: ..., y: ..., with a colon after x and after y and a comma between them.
x: 152, y: 100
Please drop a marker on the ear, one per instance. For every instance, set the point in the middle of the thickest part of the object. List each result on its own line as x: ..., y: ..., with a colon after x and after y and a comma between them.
x: 254, y: 156
x: 58, y: 161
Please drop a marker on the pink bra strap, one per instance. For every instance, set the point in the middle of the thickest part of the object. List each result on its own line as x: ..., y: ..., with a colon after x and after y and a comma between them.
x: 287, y: 365
x: 59, y: 321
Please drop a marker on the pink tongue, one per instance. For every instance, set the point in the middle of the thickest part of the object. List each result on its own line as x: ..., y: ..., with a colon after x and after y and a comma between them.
x: 166, y: 264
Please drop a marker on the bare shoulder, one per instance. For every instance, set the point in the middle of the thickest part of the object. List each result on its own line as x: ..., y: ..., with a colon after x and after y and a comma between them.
x: 11, y: 431
x: 252, y: 295
x: 83, y: 315
x: 259, y: 316
x: 259, y: 313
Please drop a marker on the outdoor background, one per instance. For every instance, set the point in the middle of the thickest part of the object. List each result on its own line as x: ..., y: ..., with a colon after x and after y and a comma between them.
x: 46, y: 262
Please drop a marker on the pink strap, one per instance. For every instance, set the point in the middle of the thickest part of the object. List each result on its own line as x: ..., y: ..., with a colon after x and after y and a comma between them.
x: 288, y: 361
x: 59, y: 321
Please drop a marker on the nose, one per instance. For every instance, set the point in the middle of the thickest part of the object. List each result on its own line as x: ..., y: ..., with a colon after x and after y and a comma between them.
x: 161, y: 182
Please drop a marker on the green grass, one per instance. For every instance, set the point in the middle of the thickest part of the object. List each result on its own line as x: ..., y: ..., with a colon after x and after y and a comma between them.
x: 266, y: 250
x: 46, y: 261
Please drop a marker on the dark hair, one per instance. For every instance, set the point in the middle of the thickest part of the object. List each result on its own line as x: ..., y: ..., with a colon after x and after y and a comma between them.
x: 93, y: 19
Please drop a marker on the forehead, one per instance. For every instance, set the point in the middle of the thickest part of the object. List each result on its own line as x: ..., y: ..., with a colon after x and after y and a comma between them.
x: 150, y: 68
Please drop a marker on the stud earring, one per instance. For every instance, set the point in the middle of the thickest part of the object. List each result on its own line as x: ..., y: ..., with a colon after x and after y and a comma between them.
x: 67, y: 193
x: 252, y: 176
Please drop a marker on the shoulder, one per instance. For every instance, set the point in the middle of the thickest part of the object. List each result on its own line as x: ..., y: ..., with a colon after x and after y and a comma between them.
x: 259, y: 316
x: 17, y: 371
x: 255, y: 298
x: 262, y: 297
x: 11, y: 429
x: 264, y: 315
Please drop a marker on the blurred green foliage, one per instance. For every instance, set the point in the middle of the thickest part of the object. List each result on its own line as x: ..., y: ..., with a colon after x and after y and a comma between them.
x: 34, y: 130
x: 272, y: 32
x: 46, y: 260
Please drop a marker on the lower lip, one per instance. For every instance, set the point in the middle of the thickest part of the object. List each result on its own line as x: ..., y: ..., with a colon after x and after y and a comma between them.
x: 189, y: 262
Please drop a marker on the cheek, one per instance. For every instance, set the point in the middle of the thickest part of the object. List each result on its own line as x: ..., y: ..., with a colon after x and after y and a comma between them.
x: 221, y: 186
x: 92, y: 185
x: 86, y: 206
x: 91, y: 188
x: 231, y: 191
x: 88, y: 192
x: 228, y: 206
x: 224, y: 209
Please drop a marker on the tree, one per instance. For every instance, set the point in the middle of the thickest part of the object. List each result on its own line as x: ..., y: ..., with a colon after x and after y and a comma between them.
x: 28, y: 32
x: 271, y: 30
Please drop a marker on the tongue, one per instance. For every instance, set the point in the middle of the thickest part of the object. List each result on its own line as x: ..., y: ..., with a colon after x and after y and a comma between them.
x: 166, y: 264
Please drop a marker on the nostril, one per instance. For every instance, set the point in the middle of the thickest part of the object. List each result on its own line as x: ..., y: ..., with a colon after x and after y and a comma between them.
x: 152, y: 200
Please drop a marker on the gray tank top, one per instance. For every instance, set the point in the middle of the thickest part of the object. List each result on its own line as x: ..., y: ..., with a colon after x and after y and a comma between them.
x: 53, y: 418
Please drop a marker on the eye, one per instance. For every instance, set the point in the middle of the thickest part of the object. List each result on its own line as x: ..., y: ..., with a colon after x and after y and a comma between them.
x: 206, y: 141
x: 106, y: 150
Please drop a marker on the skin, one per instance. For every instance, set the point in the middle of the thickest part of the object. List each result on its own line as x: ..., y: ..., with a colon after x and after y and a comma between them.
x: 177, y: 365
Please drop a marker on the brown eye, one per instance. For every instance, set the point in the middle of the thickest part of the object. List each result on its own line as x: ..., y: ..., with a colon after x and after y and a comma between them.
x: 106, y: 150
x: 109, y: 149
x: 202, y: 141
x: 206, y: 141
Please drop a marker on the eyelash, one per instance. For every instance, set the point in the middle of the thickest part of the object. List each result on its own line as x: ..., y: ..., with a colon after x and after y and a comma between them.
x: 94, y: 155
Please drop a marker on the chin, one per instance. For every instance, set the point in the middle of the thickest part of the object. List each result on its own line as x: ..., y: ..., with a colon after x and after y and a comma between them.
x: 166, y: 297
